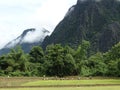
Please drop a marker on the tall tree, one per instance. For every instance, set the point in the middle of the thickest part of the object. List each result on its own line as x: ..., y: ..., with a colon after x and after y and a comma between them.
x: 36, y: 54
x: 60, y: 62
x: 81, y: 55
x: 97, y: 65
x: 112, y: 58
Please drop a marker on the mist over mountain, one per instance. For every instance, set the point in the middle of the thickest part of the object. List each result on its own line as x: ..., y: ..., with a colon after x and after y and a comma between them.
x: 30, y: 37
x: 97, y: 21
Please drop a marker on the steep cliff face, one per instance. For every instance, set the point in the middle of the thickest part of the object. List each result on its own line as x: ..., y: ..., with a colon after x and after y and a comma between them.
x: 97, y: 21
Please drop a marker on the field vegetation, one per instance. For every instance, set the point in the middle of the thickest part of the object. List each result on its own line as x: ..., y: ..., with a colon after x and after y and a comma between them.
x: 67, y: 83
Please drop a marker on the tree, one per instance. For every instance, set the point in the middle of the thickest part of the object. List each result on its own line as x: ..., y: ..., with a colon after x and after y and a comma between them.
x: 97, y: 65
x: 114, y: 53
x: 59, y: 61
x: 118, y: 66
x: 68, y: 49
x: 16, y: 60
x: 70, y: 65
x: 37, y: 61
x: 81, y: 55
x: 112, y: 68
x: 20, y: 58
x: 36, y: 54
x: 112, y: 58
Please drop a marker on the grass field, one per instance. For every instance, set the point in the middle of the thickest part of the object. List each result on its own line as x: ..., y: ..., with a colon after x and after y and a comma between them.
x: 37, y: 83
x: 69, y: 88
x: 16, y: 81
x: 71, y: 82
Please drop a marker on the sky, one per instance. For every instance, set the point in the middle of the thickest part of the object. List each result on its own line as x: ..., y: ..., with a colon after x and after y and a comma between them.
x: 19, y: 15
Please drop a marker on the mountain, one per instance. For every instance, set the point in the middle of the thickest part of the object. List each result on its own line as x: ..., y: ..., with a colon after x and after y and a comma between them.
x: 97, y: 21
x: 30, y: 37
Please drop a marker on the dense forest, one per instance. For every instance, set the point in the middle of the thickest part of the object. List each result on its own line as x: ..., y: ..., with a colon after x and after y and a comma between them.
x: 58, y: 60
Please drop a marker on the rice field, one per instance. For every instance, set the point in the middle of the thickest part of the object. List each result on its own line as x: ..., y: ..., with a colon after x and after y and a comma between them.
x: 39, y: 83
x: 68, y: 88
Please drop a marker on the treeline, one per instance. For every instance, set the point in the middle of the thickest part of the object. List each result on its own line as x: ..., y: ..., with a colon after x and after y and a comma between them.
x: 61, y: 61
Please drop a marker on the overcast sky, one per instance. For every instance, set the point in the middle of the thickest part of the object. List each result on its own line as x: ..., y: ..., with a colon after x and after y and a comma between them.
x: 18, y: 15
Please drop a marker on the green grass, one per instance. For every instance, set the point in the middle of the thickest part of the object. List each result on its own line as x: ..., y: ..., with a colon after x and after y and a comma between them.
x: 16, y: 81
x: 37, y: 81
x: 70, y: 88
x: 71, y: 82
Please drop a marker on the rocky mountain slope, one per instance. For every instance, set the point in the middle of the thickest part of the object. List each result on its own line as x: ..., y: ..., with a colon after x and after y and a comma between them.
x: 97, y: 21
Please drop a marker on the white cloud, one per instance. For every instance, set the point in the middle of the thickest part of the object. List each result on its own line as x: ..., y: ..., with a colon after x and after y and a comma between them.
x: 34, y: 36
x: 18, y: 15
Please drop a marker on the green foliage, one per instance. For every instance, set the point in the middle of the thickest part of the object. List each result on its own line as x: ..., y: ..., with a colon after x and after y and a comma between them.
x: 112, y: 59
x: 114, y: 53
x: 61, y: 61
x: 97, y: 65
x: 14, y: 61
x: 81, y: 57
x: 36, y: 54
x: 112, y: 68
x: 81, y: 53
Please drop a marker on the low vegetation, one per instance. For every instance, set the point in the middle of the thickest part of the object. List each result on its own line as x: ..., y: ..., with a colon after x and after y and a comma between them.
x: 53, y: 81
x: 68, y: 83
x: 72, y: 82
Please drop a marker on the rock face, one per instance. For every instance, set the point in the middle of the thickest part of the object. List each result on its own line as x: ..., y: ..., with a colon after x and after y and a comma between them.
x: 97, y: 21
x: 28, y: 39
